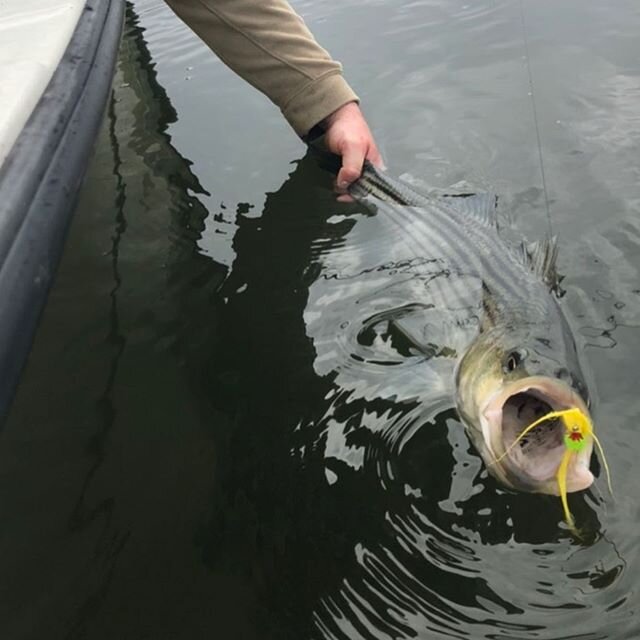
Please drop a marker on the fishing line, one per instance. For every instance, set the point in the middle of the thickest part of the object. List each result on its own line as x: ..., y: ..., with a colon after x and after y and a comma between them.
x: 535, y: 114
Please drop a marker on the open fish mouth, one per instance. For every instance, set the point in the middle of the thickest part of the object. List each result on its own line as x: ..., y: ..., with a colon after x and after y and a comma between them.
x: 532, y: 461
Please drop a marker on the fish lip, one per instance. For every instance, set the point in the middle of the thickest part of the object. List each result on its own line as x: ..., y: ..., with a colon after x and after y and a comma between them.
x: 559, y: 396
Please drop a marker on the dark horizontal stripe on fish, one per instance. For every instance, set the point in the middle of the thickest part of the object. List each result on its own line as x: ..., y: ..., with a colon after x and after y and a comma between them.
x: 381, y: 186
x: 465, y: 250
x: 374, y: 183
x: 402, y: 193
x: 423, y: 245
x: 494, y: 261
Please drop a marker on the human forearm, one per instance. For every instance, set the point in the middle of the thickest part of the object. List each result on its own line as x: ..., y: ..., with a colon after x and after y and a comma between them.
x: 266, y: 43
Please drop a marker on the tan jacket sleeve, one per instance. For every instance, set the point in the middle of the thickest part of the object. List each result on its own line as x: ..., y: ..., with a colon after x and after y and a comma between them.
x: 268, y: 44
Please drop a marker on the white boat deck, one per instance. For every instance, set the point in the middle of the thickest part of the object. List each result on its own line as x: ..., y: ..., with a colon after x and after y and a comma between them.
x: 33, y: 37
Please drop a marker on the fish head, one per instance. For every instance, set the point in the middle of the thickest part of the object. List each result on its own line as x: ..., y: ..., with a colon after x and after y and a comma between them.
x: 511, y: 377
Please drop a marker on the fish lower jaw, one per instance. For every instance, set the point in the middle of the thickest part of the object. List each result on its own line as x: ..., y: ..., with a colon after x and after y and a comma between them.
x: 514, y: 476
x: 545, y: 479
x: 579, y: 477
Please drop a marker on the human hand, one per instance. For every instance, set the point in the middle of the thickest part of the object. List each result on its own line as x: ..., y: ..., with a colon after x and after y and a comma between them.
x: 347, y: 135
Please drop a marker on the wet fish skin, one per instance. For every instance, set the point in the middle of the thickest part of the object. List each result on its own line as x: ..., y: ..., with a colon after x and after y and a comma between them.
x: 522, y: 333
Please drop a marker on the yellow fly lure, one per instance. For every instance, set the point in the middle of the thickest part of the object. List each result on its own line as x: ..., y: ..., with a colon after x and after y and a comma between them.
x: 578, y: 429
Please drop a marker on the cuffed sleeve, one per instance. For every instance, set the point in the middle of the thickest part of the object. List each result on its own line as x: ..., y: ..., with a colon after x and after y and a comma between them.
x: 268, y: 44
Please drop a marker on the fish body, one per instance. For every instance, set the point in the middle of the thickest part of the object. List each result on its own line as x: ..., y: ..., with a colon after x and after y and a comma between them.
x: 515, y: 356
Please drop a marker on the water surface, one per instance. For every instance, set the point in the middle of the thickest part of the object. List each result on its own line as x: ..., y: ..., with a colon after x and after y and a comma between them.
x: 184, y: 459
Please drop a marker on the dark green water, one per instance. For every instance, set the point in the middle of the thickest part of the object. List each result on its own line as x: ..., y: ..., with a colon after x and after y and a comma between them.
x: 180, y: 461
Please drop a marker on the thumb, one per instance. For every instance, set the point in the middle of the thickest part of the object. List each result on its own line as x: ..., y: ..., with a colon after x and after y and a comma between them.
x: 352, y: 161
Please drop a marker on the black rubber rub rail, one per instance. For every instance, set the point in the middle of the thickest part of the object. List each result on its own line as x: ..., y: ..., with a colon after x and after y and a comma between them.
x: 40, y: 179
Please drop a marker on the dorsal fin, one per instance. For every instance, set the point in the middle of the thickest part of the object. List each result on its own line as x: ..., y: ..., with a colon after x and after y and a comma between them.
x: 541, y: 257
x: 481, y: 207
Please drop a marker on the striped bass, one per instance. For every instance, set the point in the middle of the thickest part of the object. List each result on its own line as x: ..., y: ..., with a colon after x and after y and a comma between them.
x: 517, y: 361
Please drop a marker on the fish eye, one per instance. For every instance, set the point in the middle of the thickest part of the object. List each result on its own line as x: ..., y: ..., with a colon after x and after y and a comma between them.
x: 513, y: 360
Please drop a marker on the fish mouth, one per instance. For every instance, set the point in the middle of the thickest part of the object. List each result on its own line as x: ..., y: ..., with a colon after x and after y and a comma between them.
x: 531, y: 462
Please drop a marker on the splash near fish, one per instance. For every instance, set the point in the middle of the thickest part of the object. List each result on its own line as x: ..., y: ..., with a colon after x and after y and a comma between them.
x: 578, y: 431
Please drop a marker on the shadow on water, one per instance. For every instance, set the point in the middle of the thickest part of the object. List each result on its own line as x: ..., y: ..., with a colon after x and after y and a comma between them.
x: 204, y: 470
